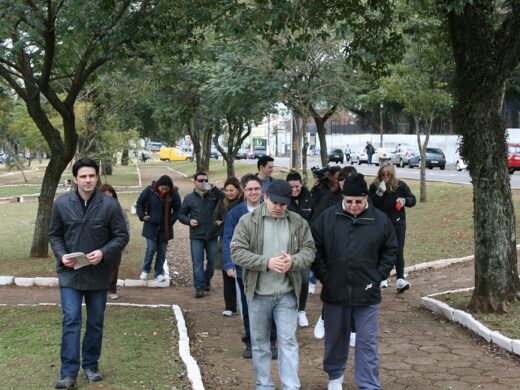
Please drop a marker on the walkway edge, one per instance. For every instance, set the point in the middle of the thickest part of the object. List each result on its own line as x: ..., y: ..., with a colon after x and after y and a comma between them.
x: 184, y: 351
x: 470, y: 322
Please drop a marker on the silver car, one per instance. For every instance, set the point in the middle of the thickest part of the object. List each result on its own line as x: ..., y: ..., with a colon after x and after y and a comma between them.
x: 401, y: 155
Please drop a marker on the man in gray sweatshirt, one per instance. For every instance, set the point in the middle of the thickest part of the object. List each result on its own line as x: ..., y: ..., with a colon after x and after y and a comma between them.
x: 273, y: 245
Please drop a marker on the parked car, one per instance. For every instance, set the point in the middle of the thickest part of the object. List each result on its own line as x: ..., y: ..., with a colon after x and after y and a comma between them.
x: 354, y: 157
x: 258, y: 151
x: 402, y: 154
x: 434, y: 158
x: 214, y: 153
x: 381, y: 155
x: 174, y: 154
x: 362, y: 157
x: 461, y: 164
x: 241, y: 154
x: 2, y: 157
x: 513, y: 158
x: 250, y: 154
x: 336, y: 155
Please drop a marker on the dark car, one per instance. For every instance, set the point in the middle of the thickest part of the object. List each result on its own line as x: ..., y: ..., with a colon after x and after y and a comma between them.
x: 513, y: 158
x: 258, y: 151
x: 336, y: 155
x: 434, y: 158
x: 241, y: 154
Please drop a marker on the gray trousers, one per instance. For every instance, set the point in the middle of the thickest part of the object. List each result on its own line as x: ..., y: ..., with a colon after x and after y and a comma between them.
x: 338, y: 321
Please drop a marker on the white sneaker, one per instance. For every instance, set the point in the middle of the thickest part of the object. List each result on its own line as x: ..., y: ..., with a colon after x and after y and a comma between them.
x: 113, y: 296
x: 144, y: 276
x: 312, y: 288
x: 335, y: 384
x: 384, y: 284
x: 227, y: 313
x: 402, y: 285
x: 160, y: 278
x: 319, y: 329
x: 302, y: 319
x: 352, y: 341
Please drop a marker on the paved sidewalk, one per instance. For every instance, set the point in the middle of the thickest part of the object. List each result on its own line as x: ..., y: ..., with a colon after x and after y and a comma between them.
x: 418, y: 350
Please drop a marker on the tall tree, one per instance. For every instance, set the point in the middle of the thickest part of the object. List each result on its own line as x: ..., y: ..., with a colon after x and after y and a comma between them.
x: 48, y: 51
x: 484, y: 36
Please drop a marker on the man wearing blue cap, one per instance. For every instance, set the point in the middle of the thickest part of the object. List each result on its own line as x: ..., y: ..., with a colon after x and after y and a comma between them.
x: 273, y: 245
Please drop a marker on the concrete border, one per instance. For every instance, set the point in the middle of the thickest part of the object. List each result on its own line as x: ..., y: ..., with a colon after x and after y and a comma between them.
x: 189, y: 361
x: 468, y: 321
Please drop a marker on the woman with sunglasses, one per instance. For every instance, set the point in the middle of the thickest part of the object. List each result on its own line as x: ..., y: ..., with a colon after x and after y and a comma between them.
x: 391, y: 195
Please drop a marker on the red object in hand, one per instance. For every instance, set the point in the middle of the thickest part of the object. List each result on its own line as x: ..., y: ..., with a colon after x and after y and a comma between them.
x: 398, y: 206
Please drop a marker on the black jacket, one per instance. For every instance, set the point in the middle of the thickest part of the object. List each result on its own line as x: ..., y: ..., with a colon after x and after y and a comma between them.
x: 102, y: 227
x: 386, y: 202
x: 150, y: 200
x: 328, y: 200
x: 303, y: 204
x: 201, y: 208
x: 354, y: 254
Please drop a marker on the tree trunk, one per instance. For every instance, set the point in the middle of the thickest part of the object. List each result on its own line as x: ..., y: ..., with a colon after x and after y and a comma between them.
x: 320, y: 130
x: 124, y: 158
x: 483, y: 63
x: 230, y: 168
x: 422, y: 165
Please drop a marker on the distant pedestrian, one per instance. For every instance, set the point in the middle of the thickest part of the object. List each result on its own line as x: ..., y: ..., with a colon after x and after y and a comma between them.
x: 88, y: 222
x: 265, y: 165
x: 158, y: 207
x: 356, y: 249
x: 233, y: 197
x: 370, y: 150
x: 392, y: 196
x: 273, y: 245
x: 348, y: 152
x: 107, y: 189
x: 197, y: 212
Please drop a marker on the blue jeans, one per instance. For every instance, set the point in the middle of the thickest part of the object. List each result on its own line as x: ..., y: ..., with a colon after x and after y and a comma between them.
x: 152, y: 247
x: 284, y: 310
x: 202, y: 277
x: 338, y: 325
x: 95, y: 301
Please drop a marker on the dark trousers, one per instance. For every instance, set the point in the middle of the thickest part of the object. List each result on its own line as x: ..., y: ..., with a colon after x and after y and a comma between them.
x: 230, y: 292
x: 400, y: 231
x: 305, y: 289
x: 244, y: 311
x: 338, y: 320
x: 115, y: 274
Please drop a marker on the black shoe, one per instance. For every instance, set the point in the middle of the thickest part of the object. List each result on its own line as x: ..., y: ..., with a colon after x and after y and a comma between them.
x: 207, y: 287
x: 92, y: 374
x: 67, y: 382
x: 248, y: 353
x: 199, y: 293
x: 274, y: 352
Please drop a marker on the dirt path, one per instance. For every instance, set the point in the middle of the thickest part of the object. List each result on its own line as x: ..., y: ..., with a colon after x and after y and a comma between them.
x: 417, y: 349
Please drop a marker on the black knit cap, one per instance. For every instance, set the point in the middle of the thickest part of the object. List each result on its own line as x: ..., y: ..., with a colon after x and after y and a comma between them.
x: 355, y: 185
x: 279, y: 191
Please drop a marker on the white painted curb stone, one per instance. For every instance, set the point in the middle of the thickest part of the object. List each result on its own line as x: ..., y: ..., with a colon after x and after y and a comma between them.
x: 46, y: 282
x: 24, y: 282
x: 6, y: 280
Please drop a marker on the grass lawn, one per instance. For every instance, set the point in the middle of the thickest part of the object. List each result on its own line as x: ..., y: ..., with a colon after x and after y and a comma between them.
x: 439, y: 228
x: 139, y: 349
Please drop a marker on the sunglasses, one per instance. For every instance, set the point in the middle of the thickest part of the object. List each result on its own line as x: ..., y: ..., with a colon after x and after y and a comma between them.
x: 354, y: 201
x: 202, y: 180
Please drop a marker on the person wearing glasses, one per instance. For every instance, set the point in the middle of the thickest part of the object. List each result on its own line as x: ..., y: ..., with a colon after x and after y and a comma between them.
x: 356, y: 249
x: 391, y: 195
x: 158, y: 207
x: 197, y: 212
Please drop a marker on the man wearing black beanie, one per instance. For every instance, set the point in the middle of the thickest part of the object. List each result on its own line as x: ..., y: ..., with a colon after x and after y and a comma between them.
x: 356, y: 249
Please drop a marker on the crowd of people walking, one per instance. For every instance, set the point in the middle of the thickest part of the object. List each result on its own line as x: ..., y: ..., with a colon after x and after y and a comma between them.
x: 271, y: 239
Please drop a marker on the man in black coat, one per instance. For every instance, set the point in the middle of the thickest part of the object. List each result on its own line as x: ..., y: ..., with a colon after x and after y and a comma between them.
x: 356, y: 249
x: 90, y: 225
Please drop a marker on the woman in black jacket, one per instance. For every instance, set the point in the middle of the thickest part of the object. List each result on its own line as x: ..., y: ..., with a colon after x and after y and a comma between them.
x: 391, y: 195
x: 158, y: 207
